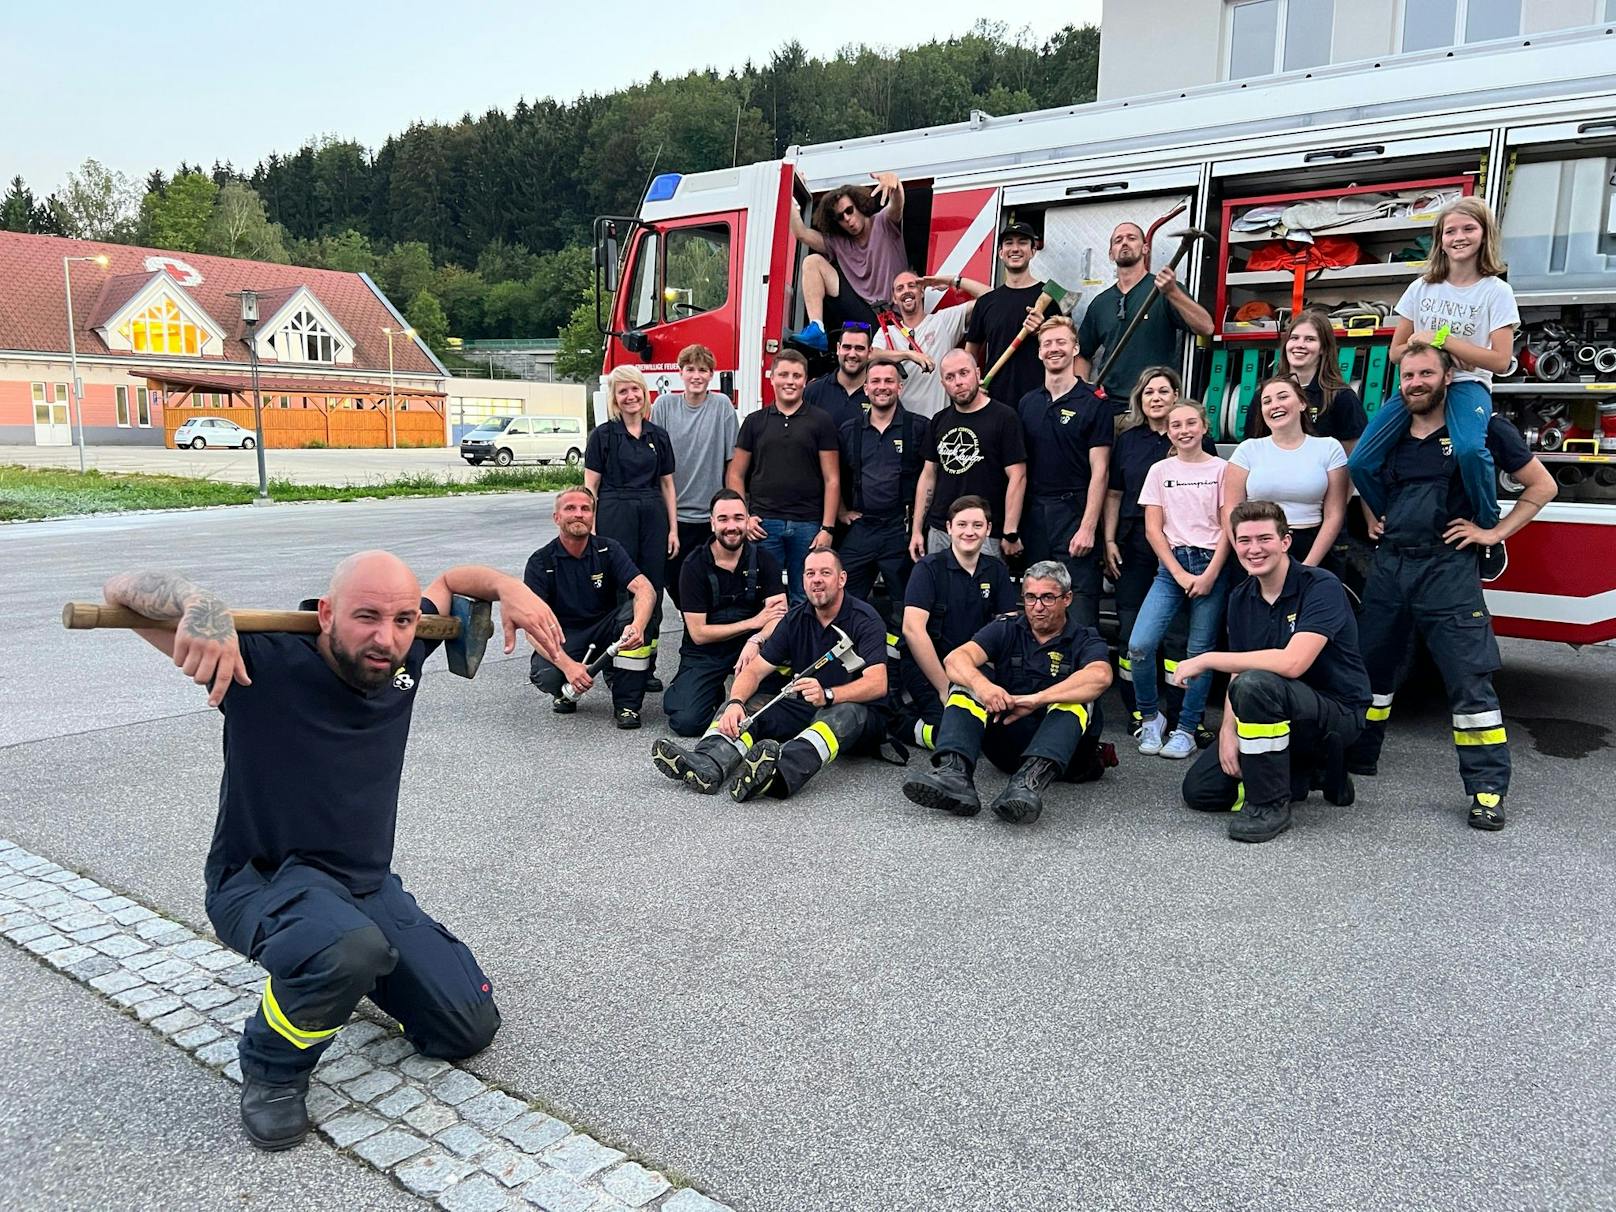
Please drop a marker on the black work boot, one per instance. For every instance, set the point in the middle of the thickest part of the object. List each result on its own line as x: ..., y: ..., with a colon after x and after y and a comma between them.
x: 1260, y: 822
x: 1021, y: 802
x: 944, y: 783
x: 758, y: 770
x: 274, y: 1117
x: 698, y: 770
x: 1487, y: 811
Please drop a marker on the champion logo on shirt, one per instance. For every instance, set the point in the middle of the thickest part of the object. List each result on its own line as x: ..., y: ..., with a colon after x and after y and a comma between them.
x: 402, y: 679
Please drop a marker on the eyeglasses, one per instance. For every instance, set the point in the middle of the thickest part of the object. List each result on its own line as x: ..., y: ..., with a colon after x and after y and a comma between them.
x: 1041, y: 599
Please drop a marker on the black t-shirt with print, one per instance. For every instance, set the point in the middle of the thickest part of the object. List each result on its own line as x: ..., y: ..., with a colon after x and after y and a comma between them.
x: 972, y: 451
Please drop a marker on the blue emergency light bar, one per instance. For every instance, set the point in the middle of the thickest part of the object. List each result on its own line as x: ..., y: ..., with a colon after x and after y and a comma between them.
x: 663, y: 187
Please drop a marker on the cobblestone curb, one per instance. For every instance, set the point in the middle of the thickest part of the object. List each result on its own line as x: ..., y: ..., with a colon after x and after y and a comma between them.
x: 437, y: 1130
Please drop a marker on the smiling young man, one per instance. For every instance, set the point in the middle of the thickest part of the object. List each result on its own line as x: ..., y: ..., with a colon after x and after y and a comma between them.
x: 1004, y: 311
x: 734, y: 593
x: 1299, y: 689
x: 841, y: 393
x: 1037, y: 715
x: 1425, y: 578
x: 299, y: 876
x: 924, y: 332
x: 952, y: 595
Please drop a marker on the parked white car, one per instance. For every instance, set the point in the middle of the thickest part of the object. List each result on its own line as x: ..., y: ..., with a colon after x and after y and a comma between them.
x: 201, y: 432
x: 507, y: 440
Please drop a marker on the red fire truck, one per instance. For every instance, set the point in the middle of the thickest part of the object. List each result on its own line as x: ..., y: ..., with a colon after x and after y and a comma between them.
x: 1528, y: 125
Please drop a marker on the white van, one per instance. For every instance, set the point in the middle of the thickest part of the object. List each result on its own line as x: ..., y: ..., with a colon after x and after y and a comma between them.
x: 508, y: 440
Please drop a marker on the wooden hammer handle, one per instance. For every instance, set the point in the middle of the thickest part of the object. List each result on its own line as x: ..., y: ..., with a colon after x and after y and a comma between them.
x: 89, y: 616
x: 1021, y: 335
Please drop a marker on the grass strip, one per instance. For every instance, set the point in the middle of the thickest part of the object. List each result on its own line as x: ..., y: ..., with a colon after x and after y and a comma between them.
x: 32, y: 493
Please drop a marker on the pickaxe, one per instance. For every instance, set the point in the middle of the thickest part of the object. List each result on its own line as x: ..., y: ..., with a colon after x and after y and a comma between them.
x: 840, y: 652
x: 1053, y: 293
x: 1186, y: 238
x: 465, y: 630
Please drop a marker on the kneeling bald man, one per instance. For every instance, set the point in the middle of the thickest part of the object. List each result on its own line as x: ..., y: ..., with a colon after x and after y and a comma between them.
x: 299, y: 876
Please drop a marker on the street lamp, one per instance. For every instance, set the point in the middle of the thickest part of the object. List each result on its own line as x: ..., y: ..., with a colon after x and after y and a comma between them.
x: 102, y: 260
x: 249, y: 318
x: 392, y: 396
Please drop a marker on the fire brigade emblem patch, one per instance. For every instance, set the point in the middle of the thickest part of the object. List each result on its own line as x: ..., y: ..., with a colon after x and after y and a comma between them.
x: 986, y: 588
x: 597, y: 579
x: 1054, y: 664
x: 1447, y: 447
x: 402, y: 679
x: 958, y: 450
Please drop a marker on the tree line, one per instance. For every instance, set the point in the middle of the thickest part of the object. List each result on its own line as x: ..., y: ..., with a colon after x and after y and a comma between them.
x: 480, y: 227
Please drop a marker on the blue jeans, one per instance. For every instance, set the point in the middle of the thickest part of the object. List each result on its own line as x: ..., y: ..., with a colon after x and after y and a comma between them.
x: 788, y: 542
x: 1156, y: 615
x: 1470, y: 406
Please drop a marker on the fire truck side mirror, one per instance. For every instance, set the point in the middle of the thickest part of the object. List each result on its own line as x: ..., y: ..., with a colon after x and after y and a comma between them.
x: 636, y: 342
x: 609, y: 252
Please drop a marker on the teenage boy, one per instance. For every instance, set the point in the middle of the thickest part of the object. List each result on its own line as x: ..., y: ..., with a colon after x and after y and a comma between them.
x: 702, y: 426
x: 1004, y: 311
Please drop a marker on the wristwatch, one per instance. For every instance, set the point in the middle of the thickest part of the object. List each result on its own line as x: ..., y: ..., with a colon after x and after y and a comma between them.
x: 830, y: 696
x: 1012, y: 536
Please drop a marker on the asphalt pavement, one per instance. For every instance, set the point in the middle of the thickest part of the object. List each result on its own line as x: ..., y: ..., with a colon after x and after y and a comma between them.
x: 241, y: 466
x: 847, y: 1002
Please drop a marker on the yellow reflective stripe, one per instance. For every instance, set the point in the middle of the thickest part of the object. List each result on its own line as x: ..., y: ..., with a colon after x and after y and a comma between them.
x: 823, y: 731
x: 643, y: 651
x: 1170, y: 666
x: 783, y: 670
x: 928, y: 736
x: 1077, y: 709
x: 892, y: 640
x: 1376, y: 715
x: 1253, y: 731
x: 1479, y: 736
x: 969, y: 704
x: 1124, y: 663
x: 281, y: 1025
x: 1239, y: 797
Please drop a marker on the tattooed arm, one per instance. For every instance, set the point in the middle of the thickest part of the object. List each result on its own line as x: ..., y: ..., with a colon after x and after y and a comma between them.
x: 203, y: 642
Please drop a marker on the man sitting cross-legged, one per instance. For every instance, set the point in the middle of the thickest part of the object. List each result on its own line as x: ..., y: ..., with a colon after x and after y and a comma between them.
x: 1037, y: 716
x: 832, y: 708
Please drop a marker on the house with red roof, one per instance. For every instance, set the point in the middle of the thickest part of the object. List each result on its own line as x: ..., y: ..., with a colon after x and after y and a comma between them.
x: 158, y: 335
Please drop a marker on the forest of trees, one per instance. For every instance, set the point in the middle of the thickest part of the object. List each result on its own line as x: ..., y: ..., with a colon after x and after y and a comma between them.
x: 479, y: 227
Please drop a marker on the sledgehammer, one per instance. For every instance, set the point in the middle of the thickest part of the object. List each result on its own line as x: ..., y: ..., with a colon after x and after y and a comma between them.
x: 465, y: 630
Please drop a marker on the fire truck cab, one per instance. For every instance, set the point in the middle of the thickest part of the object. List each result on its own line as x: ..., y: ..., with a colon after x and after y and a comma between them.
x: 1529, y: 125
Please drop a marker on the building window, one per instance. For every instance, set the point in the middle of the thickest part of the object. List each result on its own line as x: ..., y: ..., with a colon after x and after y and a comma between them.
x: 163, y: 329
x: 1433, y: 24
x: 304, y: 339
x: 123, y: 407
x: 1268, y: 36
x: 143, y: 408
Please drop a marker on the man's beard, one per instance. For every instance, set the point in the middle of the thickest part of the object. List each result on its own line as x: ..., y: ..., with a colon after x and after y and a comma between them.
x: 730, y: 542
x: 1422, y: 406
x: 352, y: 669
x: 1127, y: 257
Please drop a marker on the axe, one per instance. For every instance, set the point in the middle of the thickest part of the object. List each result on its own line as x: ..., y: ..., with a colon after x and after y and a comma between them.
x: 841, y: 652
x: 1186, y: 238
x: 1054, y: 293
x: 591, y: 668
x: 465, y: 630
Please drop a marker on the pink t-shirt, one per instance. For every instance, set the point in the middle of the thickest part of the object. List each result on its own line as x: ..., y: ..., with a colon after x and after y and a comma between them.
x: 1190, y: 496
x: 870, y: 270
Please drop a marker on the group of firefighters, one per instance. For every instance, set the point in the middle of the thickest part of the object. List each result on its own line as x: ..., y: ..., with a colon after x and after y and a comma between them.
x: 771, y: 536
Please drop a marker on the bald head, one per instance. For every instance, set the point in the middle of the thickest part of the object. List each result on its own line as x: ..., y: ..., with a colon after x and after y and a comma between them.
x: 374, y: 572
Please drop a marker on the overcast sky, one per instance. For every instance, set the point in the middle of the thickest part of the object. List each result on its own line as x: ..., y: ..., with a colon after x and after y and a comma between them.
x: 141, y: 86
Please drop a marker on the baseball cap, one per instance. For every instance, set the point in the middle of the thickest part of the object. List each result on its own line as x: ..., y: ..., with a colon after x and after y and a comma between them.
x: 1016, y: 227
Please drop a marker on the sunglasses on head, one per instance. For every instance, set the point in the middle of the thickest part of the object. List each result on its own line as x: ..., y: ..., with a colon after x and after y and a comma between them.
x: 856, y: 326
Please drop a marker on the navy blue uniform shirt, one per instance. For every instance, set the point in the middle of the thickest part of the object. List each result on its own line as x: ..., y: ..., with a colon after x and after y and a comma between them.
x: 799, y: 640
x: 724, y: 596
x: 1022, y: 665
x: 880, y: 468
x: 1135, y: 452
x: 1059, y: 436
x: 581, y: 590
x: 629, y: 466
x: 960, y: 603
x: 841, y: 405
x: 1312, y: 600
x: 312, y: 766
x: 1424, y: 490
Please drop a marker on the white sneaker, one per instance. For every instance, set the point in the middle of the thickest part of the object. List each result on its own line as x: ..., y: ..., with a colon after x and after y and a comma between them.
x: 1151, y: 733
x: 1179, y: 746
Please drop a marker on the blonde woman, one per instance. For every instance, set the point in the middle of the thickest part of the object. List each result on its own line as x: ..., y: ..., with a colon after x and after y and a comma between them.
x: 628, y: 465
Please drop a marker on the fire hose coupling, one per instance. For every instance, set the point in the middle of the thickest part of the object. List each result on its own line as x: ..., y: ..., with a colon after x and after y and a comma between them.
x: 1605, y: 360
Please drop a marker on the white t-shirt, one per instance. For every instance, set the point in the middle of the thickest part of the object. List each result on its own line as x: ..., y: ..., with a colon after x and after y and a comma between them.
x: 1295, y: 480
x: 939, y: 332
x: 1470, y: 312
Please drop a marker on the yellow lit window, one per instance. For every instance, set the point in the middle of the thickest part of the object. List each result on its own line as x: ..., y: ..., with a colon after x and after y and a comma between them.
x: 162, y: 328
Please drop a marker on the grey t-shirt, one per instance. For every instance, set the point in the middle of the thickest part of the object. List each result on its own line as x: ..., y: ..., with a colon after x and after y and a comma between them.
x: 703, y: 441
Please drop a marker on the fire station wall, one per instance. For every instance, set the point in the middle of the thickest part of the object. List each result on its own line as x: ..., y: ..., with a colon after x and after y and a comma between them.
x: 101, y: 427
